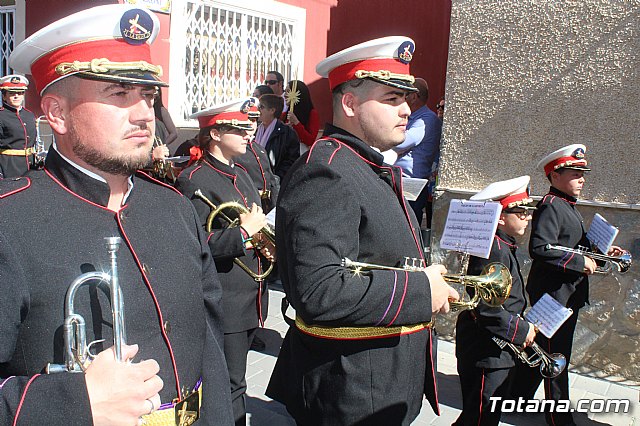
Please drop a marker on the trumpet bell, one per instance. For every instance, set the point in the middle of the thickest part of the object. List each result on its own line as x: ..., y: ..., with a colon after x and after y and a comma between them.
x: 553, y: 365
x: 493, y: 286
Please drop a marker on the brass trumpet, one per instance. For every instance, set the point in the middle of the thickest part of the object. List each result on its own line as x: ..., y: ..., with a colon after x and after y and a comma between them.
x: 78, y: 354
x: 622, y: 262
x: 551, y: 365
x: 267, y: 232
x: 493, y: 286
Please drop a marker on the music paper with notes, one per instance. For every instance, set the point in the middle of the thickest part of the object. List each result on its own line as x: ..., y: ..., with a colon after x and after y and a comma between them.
x: 601, y: 233
x: 470, y: 227
x: 548, y: 315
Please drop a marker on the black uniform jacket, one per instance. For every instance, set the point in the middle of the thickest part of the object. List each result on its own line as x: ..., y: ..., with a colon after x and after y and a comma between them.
x: 283, y: 148
x: 17, y: 131
x: 244, y: 299
x: 256, y: 163
x: 474, y: 330
x: 339, y: 200
x: 52, y: 230
x: 557, y: 221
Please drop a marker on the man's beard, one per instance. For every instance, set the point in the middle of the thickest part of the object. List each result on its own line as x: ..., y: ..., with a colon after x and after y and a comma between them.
x: 121, y: 165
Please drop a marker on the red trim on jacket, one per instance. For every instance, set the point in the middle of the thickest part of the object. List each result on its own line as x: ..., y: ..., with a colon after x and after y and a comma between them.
x: 155, y: 300
x: 24, y: 394
x: 15, y: 191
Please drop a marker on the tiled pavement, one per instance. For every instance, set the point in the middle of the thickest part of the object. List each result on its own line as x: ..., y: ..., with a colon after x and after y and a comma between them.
x: 265, y: 412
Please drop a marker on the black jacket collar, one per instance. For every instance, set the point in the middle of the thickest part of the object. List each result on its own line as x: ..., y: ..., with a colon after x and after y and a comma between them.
x: 511, y: 241
x: 75, y: 180
x: 358, y: 145
x: 558, y: 193
x: 9, y: 107
x: 217, y: 164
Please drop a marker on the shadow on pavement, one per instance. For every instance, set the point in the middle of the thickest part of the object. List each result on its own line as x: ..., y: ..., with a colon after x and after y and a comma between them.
x: 272, y: 340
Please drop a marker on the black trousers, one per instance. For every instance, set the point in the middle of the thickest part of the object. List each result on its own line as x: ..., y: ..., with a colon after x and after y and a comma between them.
x: 527, y: 379
x: 236, y: 347
x: 478, y: 385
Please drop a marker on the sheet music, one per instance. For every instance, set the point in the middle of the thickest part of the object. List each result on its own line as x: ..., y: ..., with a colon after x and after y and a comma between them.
x: 271, y: 218
x: 548, y: 315
x: 412, y: 187
x: 602, y: 233
x: 470, y: 227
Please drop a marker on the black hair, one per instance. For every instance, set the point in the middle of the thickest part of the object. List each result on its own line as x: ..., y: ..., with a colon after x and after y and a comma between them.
x: 279, y: 76
x: 263, y: 89
x: 304, y: 106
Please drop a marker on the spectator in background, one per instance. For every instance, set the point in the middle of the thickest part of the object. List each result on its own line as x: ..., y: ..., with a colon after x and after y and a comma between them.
x: 279, y: 140
x: 275, y: 81
x: 162, y: 115
x: 421, y: 146
x: 305, y: 120
x: 440, y: 108
x: 261, y: 89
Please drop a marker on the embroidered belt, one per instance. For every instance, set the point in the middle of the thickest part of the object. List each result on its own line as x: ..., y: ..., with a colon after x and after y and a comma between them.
x: 17, y: 152
x: 359, y: 333
x: 181, y: 413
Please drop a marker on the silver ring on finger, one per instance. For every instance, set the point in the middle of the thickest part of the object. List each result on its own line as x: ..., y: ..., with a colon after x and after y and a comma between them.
x: 153, y: 406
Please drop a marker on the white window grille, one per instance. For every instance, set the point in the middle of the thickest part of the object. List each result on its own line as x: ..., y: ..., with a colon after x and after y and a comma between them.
x: 7, y: 26
x: 221, y: 50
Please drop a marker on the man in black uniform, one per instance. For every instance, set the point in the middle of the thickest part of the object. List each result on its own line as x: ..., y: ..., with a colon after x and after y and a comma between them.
x: 17, y: 128
x: 224, y: 135
x: 484, y: 368
x: 360, y: 351
x: 563, y: 275
x: 101, y: 111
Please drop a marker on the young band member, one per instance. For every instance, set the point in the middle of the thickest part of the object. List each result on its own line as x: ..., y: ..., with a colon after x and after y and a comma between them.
x: 563, y: 275
x: 256, y: 162
x: 360, y: 351
x: 97, y: 81
x: 225, y: 131
x: 484, y: 369
x: 17, y: 128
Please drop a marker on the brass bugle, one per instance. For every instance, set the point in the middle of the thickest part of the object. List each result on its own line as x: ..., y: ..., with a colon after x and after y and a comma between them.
x: 493, y: 286
x: 267, y: 232
x: 78, y: 354
x: 622, y: 262
x: 551, y: 365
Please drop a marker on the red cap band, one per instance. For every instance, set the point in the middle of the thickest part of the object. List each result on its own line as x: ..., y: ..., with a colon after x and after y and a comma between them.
x: 10, y: 85
x: 115, y: 50
x: 240, y: 118
x: 506, y: 201
x: 347, y: 71
x: 563, y: 162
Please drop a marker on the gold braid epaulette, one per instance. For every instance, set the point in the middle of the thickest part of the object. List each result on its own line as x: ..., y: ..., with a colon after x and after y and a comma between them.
x: 385, y: 75
x: 359, y: 333
x: 103, y: 65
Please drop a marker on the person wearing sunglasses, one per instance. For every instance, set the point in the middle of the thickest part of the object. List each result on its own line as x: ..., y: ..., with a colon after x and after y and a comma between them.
x: 275, y: 81
x: 440, y: 108
x: 485, y: 370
